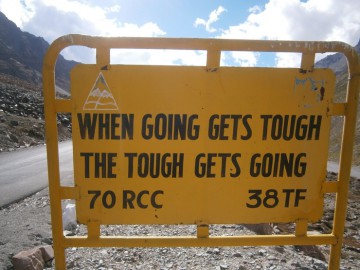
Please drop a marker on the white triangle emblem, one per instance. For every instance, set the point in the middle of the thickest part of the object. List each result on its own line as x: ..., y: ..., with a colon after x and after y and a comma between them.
x: 100, y: 96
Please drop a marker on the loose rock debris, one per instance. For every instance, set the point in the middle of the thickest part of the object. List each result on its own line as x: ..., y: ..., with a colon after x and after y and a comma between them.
x: 26, y: 224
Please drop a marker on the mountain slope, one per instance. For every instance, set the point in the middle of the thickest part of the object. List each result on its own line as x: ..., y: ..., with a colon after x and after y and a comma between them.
x: 22, y: 54
x: 337, y: 62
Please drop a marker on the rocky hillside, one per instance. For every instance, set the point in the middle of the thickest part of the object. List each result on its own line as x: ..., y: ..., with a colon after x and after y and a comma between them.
x: 338, y: 64
x: 21, y: 100
x: 22, y: 54
x: 22, y: 115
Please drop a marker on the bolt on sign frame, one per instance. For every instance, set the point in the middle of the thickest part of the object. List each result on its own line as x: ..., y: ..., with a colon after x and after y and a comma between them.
x: 232, y: 145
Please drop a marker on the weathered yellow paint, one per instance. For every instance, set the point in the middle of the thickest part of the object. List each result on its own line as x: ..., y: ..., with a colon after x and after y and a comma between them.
x: 202, y: 91
x: 228, y: 115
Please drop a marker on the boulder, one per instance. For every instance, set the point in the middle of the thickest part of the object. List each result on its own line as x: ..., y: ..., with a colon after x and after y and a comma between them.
x: 29, y: 260
x: 33, y: 259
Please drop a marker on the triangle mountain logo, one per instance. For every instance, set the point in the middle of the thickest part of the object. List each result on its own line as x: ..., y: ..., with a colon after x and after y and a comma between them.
x: 100, y: 96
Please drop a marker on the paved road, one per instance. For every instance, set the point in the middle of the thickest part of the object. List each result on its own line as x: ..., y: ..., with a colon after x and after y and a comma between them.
x: 24, y: 172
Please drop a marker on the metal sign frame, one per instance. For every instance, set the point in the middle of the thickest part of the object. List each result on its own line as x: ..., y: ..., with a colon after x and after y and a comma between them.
x: 213, y: 47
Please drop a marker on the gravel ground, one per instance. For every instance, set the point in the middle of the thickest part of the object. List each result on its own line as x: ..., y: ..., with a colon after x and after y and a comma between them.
x: 26, y: 224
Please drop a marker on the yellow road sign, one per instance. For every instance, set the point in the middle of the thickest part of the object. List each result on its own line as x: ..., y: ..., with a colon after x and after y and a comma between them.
x: 199, y: 145
x: 232, y: 145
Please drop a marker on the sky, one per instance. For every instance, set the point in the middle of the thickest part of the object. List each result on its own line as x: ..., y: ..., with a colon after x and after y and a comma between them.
x: 309, y: 20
